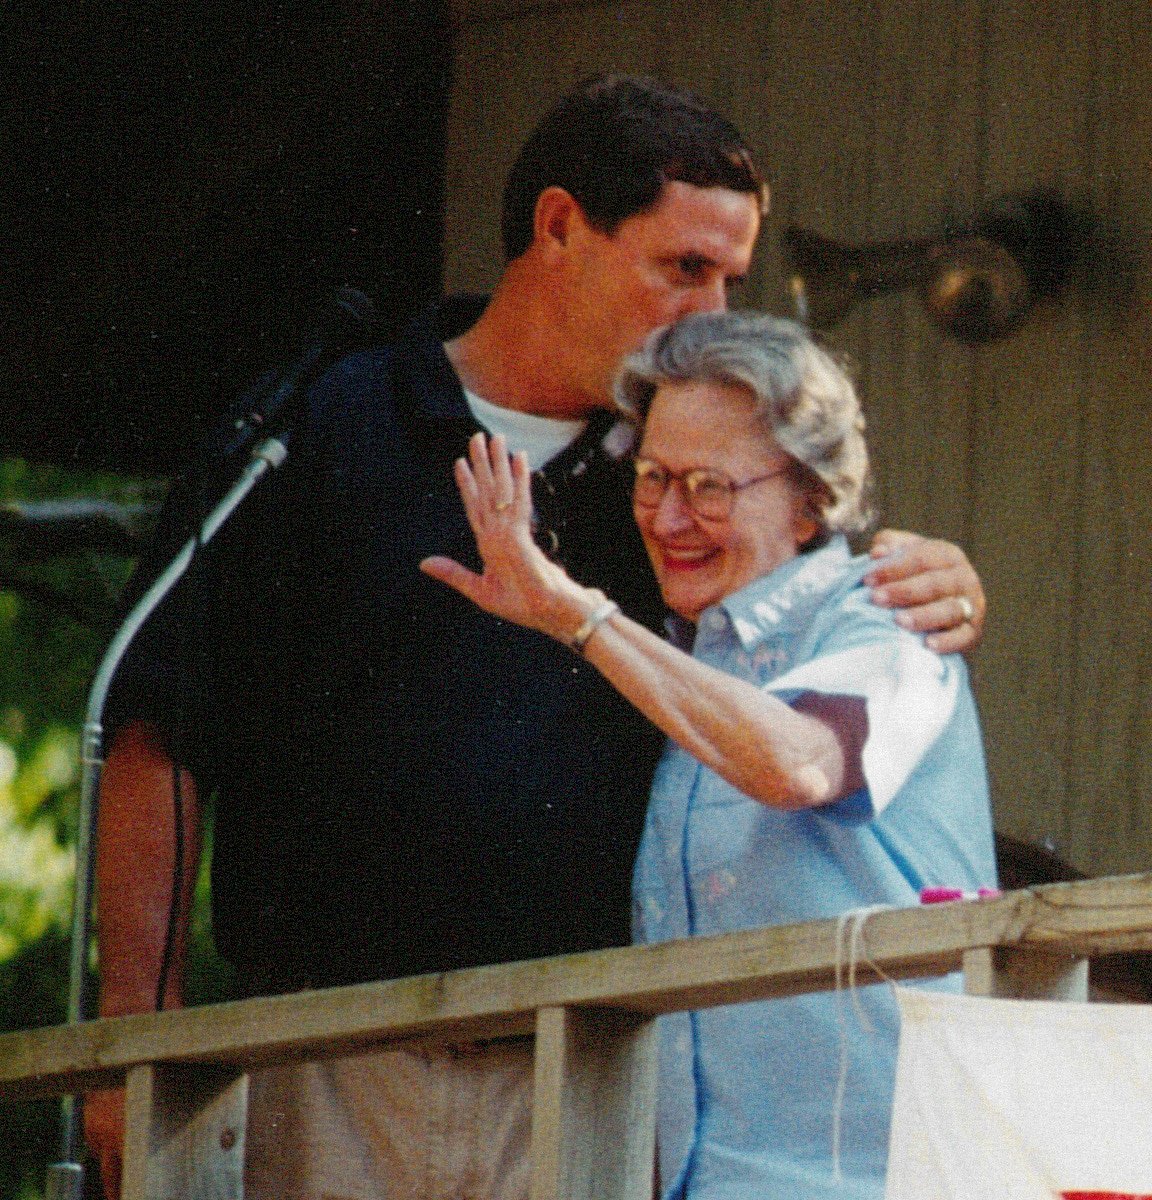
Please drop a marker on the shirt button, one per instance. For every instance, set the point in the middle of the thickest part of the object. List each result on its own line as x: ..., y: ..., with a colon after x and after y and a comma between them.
x: 713, y: 622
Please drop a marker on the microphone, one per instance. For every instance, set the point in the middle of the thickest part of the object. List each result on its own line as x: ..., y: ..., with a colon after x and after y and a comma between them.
x: 345, y: 324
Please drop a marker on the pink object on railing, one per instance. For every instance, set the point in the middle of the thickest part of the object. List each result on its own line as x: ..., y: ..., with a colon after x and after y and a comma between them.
x: 944, y: 895
x: 1104, y: 1196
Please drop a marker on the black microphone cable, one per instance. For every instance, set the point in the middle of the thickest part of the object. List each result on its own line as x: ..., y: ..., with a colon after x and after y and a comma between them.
x: 172, y: 925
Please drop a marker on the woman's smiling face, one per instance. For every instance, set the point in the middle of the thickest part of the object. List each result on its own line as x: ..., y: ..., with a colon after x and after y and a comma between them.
x: 698, y: 561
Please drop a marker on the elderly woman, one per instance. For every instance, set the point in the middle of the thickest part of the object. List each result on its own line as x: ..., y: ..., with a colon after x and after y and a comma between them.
x: 820, y: 758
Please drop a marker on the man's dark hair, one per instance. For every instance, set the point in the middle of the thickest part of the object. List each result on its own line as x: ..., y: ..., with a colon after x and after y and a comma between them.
x: 612, y: 144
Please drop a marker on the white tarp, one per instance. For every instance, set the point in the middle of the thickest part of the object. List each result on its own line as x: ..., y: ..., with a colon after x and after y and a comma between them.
x: 1021, y: 1100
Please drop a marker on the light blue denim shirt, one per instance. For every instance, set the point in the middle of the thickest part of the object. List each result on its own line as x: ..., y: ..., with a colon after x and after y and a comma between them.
x: 748, y: 1092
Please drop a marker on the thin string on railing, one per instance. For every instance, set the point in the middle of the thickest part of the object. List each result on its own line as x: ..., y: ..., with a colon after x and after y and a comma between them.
x: 850, y: 945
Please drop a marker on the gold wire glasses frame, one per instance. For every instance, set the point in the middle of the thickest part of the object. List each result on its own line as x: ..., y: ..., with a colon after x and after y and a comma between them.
x: 709, y: 494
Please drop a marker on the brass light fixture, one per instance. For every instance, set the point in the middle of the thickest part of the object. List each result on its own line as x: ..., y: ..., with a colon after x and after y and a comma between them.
x: 977, y: 282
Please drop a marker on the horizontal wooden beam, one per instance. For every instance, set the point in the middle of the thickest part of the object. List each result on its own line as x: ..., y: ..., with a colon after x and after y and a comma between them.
x: 1086, y: 918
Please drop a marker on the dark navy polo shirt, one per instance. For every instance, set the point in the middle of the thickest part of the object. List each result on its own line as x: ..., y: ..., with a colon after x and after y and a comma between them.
x: 403, y: 782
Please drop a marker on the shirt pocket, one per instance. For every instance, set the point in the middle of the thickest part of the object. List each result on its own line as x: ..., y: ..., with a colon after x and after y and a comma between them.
x: 724, y: 827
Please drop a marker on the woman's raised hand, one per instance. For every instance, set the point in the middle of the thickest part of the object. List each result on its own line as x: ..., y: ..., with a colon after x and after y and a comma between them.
x: 519, y: 582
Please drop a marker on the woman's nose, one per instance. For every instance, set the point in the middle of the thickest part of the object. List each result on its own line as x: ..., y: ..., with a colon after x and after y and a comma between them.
x: 672, y: 513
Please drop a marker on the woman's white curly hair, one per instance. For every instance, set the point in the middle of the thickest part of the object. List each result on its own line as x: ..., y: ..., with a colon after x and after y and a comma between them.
x: 805, y: 400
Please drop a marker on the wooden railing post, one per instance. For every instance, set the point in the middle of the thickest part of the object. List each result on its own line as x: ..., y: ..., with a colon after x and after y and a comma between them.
x: 593, y: 1119
x: 595, y: 1017
x: 184, y: 1133
x: 1012, y: 973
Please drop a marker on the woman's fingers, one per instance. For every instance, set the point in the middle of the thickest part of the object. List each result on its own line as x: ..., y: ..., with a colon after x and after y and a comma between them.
x: 490, y: 467
x: 497, y: 493
x: 518, y: 582
x: 448, y: 571
x: 468, y: 488
x: 522, y: 485
x: 503, y: 493
x: 491, y: 481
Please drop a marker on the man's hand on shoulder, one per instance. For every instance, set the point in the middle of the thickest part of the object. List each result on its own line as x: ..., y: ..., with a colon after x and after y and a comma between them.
x: 932, y: 585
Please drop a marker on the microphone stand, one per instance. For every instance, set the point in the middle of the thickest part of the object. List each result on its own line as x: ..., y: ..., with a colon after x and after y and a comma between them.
x: 66, y: 1177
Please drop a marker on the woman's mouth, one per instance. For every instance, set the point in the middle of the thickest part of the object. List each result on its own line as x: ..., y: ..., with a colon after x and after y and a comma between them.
x: 685, y: 558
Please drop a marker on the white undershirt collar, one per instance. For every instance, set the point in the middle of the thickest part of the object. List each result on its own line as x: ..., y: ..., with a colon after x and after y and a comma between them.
x: 541, y: 438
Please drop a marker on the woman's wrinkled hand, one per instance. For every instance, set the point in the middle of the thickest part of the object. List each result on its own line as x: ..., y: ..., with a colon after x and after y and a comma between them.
x: 519, y: 582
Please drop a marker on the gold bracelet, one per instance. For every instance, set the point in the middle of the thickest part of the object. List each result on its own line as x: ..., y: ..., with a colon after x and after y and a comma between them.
x: 596, y: 618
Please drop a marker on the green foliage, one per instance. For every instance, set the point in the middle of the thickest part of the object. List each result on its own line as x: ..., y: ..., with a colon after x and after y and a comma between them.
x: 46, y: 660
x: 33, y: 992
x: 55, y: 621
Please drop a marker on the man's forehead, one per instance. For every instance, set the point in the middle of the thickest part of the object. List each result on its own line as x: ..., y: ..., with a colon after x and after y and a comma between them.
x: 714, y: 222
x: 679, y: 193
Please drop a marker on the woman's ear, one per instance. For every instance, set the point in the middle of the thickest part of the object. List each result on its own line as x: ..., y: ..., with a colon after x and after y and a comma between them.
x: 807, y: 504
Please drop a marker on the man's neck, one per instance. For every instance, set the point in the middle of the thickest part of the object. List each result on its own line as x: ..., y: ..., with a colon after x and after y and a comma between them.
x: 515, y: 357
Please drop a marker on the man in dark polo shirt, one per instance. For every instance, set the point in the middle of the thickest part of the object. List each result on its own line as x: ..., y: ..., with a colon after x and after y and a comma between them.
x: 404, y: 784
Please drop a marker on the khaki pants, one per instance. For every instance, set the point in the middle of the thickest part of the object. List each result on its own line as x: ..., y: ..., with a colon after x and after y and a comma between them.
x: 445, y: 1124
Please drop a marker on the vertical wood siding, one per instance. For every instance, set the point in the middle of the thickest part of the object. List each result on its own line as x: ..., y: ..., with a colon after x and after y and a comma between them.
x: 882, y: 120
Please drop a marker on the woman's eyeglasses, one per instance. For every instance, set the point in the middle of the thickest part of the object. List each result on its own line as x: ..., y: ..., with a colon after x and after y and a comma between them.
x: 709, y: 494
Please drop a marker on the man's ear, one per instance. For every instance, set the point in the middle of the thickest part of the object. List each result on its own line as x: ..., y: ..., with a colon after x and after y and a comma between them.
x: 557, y: 216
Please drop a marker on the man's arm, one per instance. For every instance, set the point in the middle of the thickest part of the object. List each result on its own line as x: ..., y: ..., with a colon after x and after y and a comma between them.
x: 933, y: 585
x: 135, y: 861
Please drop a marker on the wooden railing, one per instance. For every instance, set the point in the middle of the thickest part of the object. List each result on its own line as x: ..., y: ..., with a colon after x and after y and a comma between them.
x: 592, y: 1134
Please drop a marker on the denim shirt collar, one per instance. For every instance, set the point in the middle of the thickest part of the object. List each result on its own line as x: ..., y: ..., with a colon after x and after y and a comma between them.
x: 780, y: 602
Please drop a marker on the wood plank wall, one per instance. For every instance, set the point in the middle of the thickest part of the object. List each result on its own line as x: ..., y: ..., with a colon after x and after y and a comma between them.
x: 882, y: 120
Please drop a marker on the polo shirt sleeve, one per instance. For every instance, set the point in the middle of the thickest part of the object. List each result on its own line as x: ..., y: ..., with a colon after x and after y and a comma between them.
x: 910, y: 695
